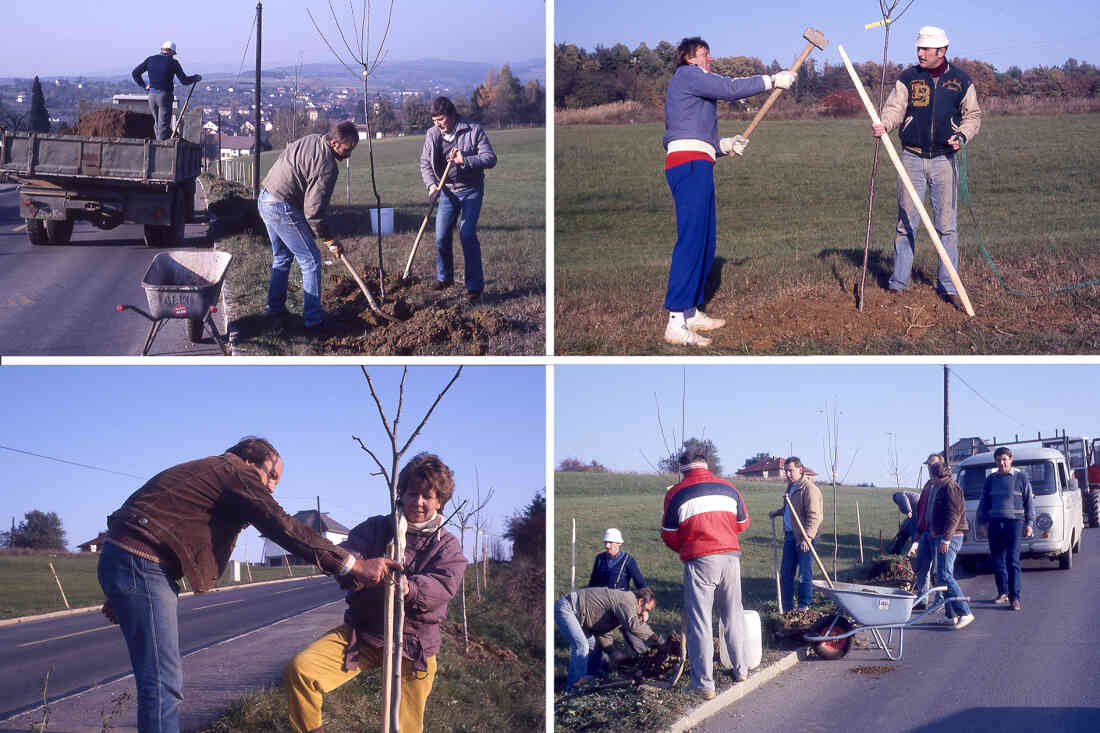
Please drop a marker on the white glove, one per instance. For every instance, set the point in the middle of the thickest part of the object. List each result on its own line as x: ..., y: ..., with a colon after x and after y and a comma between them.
x: 733, y: 145
x: 782, y: 79
x: 333, y: 246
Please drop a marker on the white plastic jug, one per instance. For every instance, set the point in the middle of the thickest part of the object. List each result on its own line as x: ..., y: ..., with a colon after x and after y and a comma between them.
x: 753, y: 642
x: 387, y: 221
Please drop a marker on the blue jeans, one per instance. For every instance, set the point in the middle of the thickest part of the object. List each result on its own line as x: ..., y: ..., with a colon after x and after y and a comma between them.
x: 160, y: 105
x: 145, y: 601
x: 941, y: 177
x: 582, y: 646
x: 291, y: 239
x: 926, y: 553
x: 466, y: 201
x: 802, y: 562
x: 692, y: 186
x: 1004, y: 550
x: 945, y: 575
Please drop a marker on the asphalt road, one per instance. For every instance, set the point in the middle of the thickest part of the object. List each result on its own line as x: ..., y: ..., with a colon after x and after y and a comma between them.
x: 84, y: 650
x: 1033, y: 670
x: 60, y: 300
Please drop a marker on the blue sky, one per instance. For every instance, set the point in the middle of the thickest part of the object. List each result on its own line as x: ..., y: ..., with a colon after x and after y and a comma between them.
x: 1005, y: 33
x: 72, y: 37
x: 609, y: 413
x: 140, y: 420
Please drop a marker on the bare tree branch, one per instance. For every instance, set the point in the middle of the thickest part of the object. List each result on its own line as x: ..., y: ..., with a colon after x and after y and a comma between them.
x: 378, y: 404
x: 429, y: 413
x: 330, y: 48
x: 340, y: 30
x: 371, y: 453
x: 400, y: 399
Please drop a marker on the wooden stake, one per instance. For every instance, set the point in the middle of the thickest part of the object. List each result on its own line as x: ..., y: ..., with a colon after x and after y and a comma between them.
x: 58, y: 581
x: 573, y: 561
x: 903, y: 176
x: 859, y: 532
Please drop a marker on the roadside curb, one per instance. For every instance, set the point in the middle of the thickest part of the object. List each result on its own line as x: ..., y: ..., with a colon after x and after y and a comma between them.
x: 735, y: 693
x: 74, y: 611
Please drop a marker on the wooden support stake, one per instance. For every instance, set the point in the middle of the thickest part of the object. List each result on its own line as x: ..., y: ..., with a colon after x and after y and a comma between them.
x: 58, y: 581
x: 929, y: 226
x: 859, y: 532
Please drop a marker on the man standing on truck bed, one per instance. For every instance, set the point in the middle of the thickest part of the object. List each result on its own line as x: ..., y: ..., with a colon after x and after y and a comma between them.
x: 162, y: 67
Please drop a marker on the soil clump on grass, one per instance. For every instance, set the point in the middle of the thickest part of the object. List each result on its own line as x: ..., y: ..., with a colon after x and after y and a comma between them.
x: 115, y: 123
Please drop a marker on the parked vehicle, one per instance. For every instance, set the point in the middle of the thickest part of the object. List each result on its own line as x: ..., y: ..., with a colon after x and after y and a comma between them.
x: 107, y: 181
x: 1083, y: 461
x: 1056, y: 498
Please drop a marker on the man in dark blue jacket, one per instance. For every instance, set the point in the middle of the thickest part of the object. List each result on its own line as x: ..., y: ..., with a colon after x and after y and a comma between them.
x: 935, y: 107
x: 162, y: 67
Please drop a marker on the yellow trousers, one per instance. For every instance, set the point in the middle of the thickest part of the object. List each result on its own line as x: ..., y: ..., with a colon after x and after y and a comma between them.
x: 318, y: 669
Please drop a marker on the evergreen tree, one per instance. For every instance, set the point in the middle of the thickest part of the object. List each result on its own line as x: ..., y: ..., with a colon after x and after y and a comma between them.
x: 40, y: 117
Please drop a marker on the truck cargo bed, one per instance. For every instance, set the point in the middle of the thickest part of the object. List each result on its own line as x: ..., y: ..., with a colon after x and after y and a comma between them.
x: 119, y: 159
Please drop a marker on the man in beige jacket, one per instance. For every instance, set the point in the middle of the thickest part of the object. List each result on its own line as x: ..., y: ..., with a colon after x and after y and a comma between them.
x: 807, y: 502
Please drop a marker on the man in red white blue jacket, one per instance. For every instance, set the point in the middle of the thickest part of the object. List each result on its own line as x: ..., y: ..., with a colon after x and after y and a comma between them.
x: 703, y: 516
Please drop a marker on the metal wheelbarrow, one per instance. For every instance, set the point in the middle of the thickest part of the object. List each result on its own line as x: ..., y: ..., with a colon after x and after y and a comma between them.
x: 183, y: 284
x: 871, y: 608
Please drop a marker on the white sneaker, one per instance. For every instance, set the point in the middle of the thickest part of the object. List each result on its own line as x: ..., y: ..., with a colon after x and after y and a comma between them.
x: 964, y: 621
x: 702, y: 322
x: 678, y: 334
x: 946, y: 621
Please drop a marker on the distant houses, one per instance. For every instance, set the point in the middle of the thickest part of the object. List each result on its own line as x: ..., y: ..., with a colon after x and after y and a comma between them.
x: 769, y: 469
x: 93, y: 545
x: 332, y: 530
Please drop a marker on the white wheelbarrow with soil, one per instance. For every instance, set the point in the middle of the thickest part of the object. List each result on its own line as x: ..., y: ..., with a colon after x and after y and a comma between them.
x: 872, y: 608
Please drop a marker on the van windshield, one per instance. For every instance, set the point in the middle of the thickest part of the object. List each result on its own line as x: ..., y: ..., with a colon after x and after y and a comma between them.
x: 1042, y: 474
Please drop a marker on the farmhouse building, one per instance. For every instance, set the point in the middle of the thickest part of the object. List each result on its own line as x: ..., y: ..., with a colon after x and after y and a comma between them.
x: 332, y: 530
x: 770, y: 468
x: 94, y: 545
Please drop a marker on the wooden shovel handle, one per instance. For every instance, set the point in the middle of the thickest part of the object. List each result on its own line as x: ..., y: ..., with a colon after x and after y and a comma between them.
x: 424, y: 224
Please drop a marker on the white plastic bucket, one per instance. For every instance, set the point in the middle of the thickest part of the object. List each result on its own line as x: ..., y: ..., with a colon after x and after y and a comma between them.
x: 387, y: 220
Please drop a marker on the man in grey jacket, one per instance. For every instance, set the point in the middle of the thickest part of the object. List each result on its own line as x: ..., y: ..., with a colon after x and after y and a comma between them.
x: 590, y: 612
x: 466, y: 147
x: 293, y: 204
x: 1006, y: 504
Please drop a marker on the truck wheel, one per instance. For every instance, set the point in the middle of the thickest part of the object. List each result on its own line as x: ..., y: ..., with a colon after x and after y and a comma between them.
x: 1092, y: 507
x: 194, y: 330
x: 59, y: 231
x: 36, y: 231
x: 834, y: 648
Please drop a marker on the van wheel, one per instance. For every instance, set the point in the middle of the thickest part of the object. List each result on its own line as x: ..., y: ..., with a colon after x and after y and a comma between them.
x: 36, y: 232
x: 60, y: 231
x: 1065, y: 560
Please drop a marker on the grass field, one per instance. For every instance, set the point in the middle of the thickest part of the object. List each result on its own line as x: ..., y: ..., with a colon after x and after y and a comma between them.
x: 499, y: 686
x: 511, y: 317
x: 29, y: 587
x: 792, y: 216
x: 634, y: 503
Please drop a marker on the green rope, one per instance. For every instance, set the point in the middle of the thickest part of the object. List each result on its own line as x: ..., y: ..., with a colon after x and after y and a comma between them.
x: 985, y: 252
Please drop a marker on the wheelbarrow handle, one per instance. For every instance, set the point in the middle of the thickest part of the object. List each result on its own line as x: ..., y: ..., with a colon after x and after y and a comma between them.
x: 120, y: 307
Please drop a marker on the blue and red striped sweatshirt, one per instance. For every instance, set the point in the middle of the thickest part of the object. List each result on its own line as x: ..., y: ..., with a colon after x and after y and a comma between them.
x: 703, y: 515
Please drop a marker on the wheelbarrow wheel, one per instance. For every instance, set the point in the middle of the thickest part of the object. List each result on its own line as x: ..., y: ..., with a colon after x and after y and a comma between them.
x: 834, y: 648
x: 194, y: 330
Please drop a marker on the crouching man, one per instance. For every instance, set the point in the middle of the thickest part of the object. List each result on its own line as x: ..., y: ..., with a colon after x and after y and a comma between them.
x: 433, y: 570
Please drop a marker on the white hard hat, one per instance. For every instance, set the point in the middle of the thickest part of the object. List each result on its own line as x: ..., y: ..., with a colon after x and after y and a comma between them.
x: 170, y: 45
x: 931, y: 37
x: 613, y: 535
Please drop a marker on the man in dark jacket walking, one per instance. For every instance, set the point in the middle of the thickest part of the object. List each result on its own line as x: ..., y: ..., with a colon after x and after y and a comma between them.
x: 942, y: 512
x: 162, y: 67
x: 183, y: 523
x: 466, y: 146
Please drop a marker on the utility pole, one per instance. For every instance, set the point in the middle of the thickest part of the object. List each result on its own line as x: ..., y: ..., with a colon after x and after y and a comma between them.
x: 256, y: 160
x: 946, y: 412
x: 320, y: 525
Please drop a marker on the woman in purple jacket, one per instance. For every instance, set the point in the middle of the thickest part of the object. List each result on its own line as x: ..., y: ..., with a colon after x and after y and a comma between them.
x: 692, y: 145
x: 433, y: 570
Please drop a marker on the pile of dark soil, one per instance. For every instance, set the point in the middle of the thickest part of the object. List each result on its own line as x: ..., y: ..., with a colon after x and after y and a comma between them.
x: 452, y: 328
x: 791, y: 625
x: 116, y: 123
x: 893, y: 571
x: 656, y: 663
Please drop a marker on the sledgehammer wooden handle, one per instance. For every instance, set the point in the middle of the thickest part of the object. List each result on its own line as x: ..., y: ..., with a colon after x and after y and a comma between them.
x: 817, y: 42
x: 908, y: 185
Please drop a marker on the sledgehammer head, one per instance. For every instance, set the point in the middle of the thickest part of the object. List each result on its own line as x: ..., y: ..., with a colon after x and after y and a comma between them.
x: 816, y: 37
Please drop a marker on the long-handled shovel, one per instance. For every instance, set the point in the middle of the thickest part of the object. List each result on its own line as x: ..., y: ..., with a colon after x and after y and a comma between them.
x: 775, y: 567
x: 424, y: 224
x: 370, y: 299
x: 794, y: 515
x: 183, y: 111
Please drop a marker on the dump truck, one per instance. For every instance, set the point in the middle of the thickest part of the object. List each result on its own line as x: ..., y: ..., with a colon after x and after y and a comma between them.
x: 106, y: 181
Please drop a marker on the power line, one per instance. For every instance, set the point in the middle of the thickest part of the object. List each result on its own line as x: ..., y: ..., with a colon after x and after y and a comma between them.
x: 955, y: 373
x: 72, y: 463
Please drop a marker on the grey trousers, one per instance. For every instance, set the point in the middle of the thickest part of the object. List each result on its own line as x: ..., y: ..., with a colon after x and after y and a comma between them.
x: 160, y: 104
x: 709, y: 579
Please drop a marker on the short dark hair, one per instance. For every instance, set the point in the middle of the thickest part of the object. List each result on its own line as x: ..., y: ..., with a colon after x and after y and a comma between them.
x: 427, y: 471
x: 795, y: 460
x: 688, y: 48
x: 645, y: 594
x: 254, y: 450
x: 443, y: 107
x: 691, y: 455
x: 344, y: 132
x: 1004, y: 450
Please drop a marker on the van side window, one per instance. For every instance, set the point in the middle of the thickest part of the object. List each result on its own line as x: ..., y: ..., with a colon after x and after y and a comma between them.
x: 1062, y: 482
